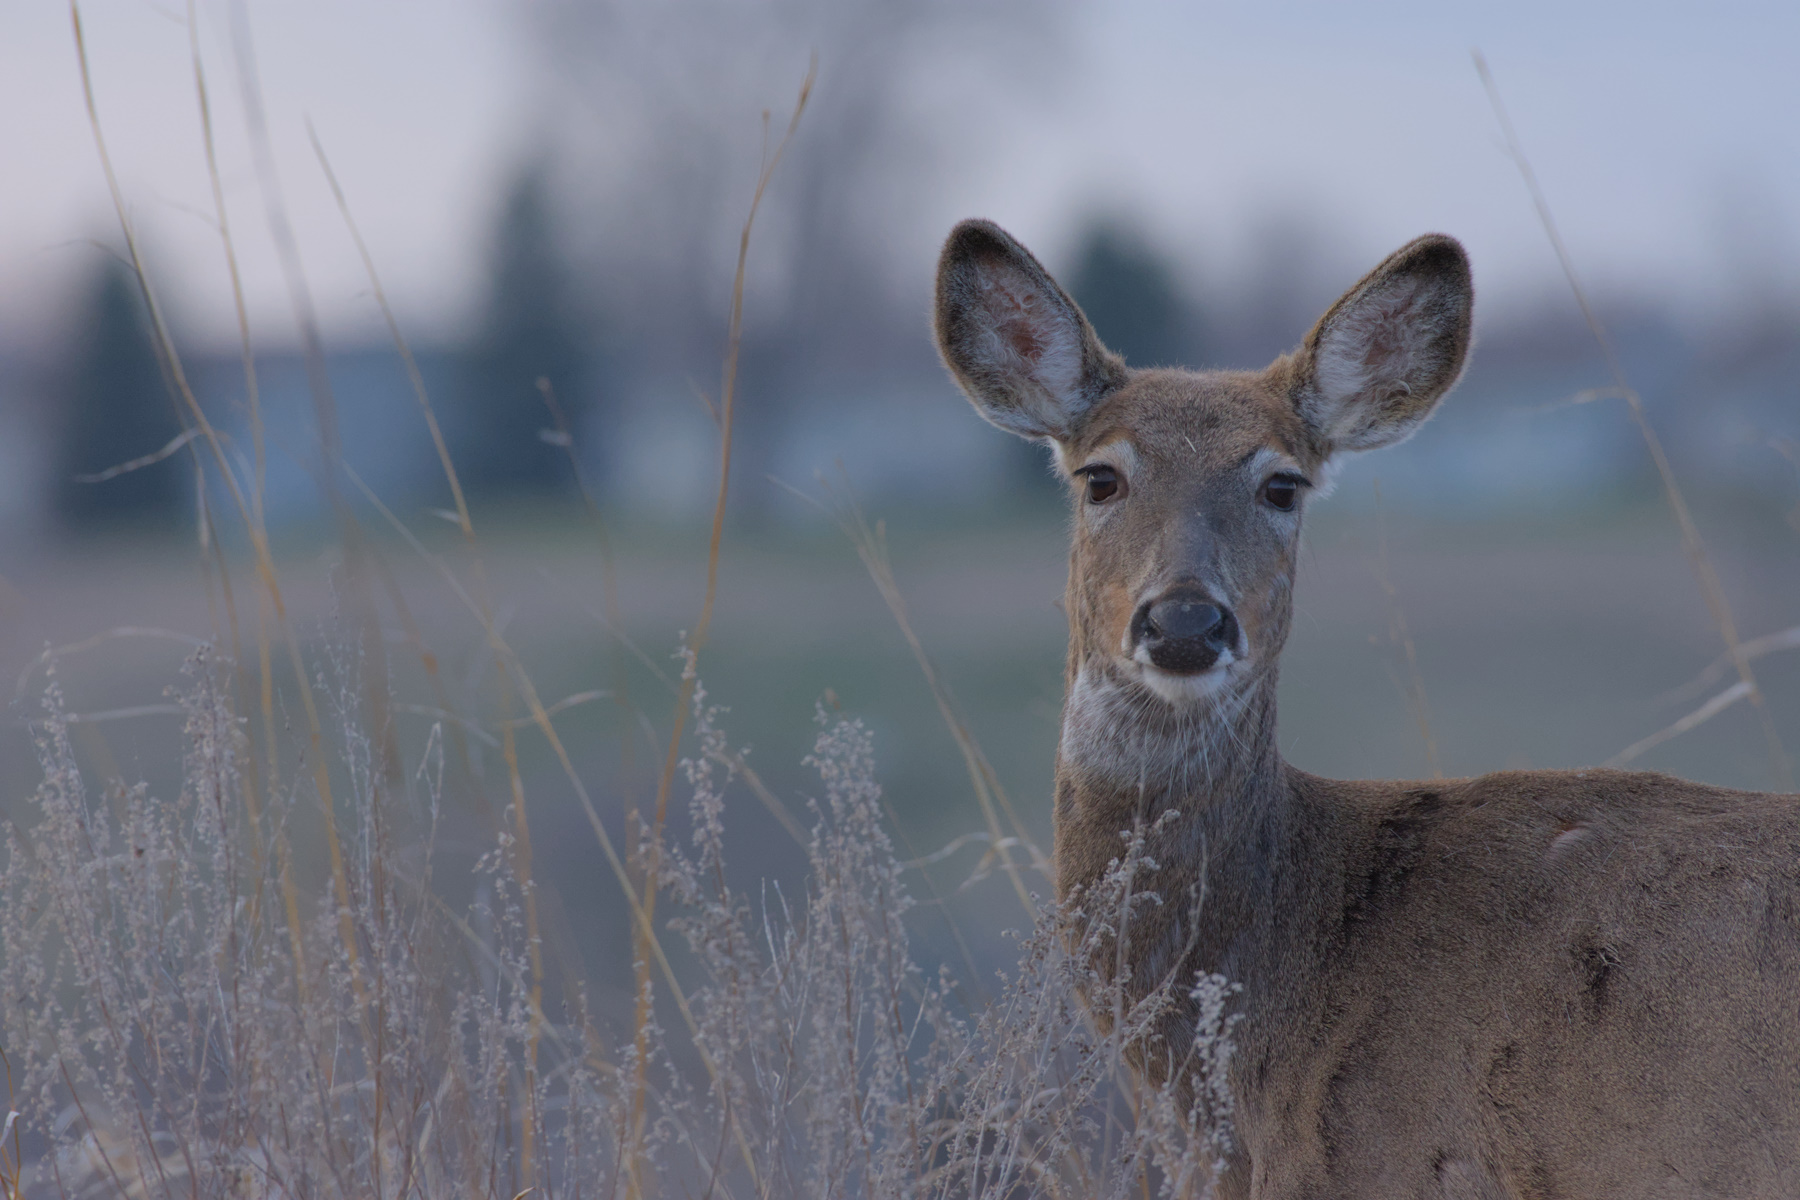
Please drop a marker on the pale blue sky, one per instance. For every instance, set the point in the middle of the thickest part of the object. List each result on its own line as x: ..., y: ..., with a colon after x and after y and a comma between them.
x: 1665, y: 135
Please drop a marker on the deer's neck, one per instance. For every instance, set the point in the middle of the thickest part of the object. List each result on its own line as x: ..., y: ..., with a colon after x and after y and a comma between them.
x: 1119, y: 738
x: 1127, y: 757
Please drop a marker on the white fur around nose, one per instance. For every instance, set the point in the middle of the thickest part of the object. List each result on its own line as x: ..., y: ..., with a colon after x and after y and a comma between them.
x: 1183, y: 690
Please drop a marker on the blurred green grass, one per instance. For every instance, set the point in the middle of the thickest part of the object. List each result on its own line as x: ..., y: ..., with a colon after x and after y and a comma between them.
x: 1544, y: 639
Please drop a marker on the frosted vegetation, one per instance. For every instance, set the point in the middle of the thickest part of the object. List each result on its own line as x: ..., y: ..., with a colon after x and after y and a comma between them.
x: 251, y: 984
x: 183, y: 1016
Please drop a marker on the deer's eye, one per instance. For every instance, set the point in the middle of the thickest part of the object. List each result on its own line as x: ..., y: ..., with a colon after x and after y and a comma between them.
x: 1103, y: 484
x: 1282, y: 492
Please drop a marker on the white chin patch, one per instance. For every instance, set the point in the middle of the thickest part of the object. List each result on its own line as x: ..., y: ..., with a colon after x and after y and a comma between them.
x: 1183, y: 691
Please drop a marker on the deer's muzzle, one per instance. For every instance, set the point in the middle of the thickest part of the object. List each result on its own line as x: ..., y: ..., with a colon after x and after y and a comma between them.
x: 1183, y: 632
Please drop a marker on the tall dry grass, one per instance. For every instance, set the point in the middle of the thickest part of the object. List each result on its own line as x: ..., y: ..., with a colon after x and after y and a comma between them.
x: 163, y: 1042
x: 1738, y: 653
x: 196, y: 1006
x: 189, y: 1006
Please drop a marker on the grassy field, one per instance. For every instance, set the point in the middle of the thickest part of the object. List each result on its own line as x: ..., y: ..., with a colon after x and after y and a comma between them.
x: 357, y: 900
x: 1535, y: 642
x: 1540, y: 638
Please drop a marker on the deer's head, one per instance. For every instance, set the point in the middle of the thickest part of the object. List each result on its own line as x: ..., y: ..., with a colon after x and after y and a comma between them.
x: 1188, y: 486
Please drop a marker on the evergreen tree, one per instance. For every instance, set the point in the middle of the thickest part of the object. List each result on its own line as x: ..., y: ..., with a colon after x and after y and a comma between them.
x: 1129, y: 294
x: 114, y: 407
x: 527, y: 333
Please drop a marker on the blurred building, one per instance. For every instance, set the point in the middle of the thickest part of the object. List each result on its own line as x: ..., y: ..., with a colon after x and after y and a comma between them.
x: 864, y: 392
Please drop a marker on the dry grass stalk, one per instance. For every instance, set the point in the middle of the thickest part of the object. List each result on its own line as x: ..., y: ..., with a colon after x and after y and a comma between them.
x: 184, y: 1036
x: 1400, y: 635
x: 190, y: 406
x: 1692, y: 545
x: 871, y: 547
x: 166, y: 1048
x: 696, y: 640
x: 258, y: 485
x: 563, y: 435
x: 509, y: 750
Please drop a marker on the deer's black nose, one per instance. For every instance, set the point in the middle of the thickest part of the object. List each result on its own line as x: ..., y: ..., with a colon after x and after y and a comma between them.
x: 1184, y: 632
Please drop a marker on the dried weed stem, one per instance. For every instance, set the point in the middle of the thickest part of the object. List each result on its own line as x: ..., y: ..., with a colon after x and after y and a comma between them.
x: 1692, y: 545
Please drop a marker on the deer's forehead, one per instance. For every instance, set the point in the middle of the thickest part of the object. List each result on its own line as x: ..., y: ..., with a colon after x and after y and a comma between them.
x: 1196, y: 422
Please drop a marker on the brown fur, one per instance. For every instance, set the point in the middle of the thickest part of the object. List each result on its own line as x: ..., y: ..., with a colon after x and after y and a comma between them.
x: 1531, y: 984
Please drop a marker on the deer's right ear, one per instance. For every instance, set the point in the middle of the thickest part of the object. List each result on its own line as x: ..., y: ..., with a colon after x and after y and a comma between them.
x: 1017, y: 344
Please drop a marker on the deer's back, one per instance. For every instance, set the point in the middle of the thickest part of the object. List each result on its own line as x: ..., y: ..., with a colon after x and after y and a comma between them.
x: 1558, y: 983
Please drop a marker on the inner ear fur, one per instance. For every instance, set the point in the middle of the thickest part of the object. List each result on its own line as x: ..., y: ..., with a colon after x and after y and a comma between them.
x: 1379, y: 360
x: 1017, y: 344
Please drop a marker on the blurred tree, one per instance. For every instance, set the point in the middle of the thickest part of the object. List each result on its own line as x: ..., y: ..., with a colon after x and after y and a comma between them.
x: 1129, y: 294
x: 1292, y: 273
x: 666, y: 101
x: 115, y: 409
x: 528, y: 332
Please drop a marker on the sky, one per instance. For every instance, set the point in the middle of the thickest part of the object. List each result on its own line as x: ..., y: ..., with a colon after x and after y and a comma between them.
x: 1665, y: 136
x: 415, y: 104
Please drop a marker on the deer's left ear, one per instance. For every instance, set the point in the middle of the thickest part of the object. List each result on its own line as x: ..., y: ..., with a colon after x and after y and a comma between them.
x: 1377, y: 363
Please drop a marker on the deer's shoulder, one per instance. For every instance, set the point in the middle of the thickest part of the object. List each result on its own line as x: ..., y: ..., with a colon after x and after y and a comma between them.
x: 1514, y: 811
x: 1537, y: 845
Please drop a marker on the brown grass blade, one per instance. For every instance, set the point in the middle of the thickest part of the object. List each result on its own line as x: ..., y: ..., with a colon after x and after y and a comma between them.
x: 1692, y: 545
x: 990, y: 796
x: 1698, y: 717
x: 697, y: 639
x: 1400, y: 635
x: 540, y: 717
x: 1756, y: 647
x: 258, y: 536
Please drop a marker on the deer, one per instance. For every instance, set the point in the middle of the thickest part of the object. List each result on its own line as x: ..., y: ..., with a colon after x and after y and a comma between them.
x: 1527, y: 984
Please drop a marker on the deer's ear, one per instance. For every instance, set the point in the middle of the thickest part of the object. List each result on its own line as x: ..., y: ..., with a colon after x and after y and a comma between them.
x: 1377, y: 363
x: 1016, y: 343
